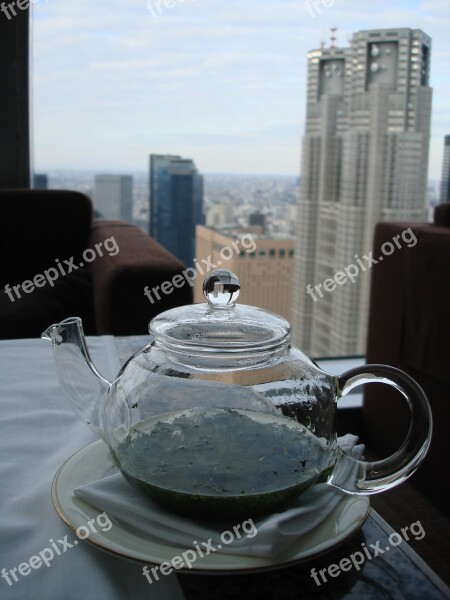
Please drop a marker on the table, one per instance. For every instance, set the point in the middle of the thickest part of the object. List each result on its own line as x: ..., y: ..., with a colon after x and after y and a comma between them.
x: 38, y: 431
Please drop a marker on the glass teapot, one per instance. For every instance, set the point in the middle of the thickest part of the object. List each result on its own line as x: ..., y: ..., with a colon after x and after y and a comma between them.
x: 220, y: 416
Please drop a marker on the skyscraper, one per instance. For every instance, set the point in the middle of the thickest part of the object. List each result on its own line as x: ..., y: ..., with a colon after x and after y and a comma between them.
x: 445, y: 179
x: 113, y: 196
x: 364, y: 160
x: 176, y: 204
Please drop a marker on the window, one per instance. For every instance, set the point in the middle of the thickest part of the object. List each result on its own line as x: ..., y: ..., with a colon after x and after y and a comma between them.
x: 136, y: 81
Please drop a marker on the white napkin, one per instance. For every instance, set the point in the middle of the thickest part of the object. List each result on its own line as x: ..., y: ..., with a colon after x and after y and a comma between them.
x: 267, y: 536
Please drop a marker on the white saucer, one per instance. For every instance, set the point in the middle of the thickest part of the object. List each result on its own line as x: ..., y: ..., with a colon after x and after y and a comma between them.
x: 94, y: 462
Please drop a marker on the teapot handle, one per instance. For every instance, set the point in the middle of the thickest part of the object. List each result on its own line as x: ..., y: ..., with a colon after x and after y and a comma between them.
x: 360, y: 477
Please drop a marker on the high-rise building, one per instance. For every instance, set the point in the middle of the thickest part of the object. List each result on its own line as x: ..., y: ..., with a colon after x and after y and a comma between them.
x: 176, y: 204
x: 445, y: 179
x: 113, y: 196
x: 264, y: 266
x: 364, y: 160
x: 220, y: 215
x: 257, y: 219
x: 40, y: 181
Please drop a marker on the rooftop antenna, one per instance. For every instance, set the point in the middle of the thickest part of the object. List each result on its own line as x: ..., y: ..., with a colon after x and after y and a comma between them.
x: 322, y: 45
x: 333, y: 37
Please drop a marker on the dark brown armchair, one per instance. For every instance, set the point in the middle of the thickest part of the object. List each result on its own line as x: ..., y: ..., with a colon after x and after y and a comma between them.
x: 409, y: 328
x: 57, y: 261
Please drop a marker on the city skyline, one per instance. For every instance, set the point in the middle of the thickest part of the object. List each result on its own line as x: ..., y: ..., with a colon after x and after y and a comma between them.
x: 221, y: 82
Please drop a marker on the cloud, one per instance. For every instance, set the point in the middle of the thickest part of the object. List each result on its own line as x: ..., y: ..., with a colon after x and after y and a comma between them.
x: 112, y: 83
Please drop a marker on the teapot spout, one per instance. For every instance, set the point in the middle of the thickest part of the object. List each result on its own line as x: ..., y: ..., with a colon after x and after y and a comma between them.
x: 86, y: 388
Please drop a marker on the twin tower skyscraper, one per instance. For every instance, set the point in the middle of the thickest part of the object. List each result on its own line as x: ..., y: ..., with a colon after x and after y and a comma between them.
x: 364, y: 160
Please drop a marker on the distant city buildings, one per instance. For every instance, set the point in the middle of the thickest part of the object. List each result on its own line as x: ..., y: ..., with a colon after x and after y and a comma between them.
x: 445, y: 179
x: 220, y: 215
x: 231, y: 199
x: 176, y: 204
x: 364, y: 160
x: 113, y: 197
x: 265, y: 269
x: 257, y: 219
x: 40, y: 181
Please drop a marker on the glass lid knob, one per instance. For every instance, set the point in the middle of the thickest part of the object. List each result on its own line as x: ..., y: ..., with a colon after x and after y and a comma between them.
x: 221, y: 289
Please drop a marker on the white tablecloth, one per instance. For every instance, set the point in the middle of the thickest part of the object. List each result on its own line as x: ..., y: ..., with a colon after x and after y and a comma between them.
x: 38, y: 432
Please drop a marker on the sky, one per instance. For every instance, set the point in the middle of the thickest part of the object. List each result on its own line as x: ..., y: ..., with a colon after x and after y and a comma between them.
x: 220, y: 81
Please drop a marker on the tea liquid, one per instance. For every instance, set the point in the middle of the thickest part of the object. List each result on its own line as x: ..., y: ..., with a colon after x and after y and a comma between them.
x: 221, y: 462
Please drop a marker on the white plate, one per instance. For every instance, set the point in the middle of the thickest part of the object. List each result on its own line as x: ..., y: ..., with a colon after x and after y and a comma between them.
x: 94, y: 462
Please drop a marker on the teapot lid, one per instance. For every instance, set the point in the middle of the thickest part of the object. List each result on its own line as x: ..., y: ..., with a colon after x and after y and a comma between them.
x: 219, y: 325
